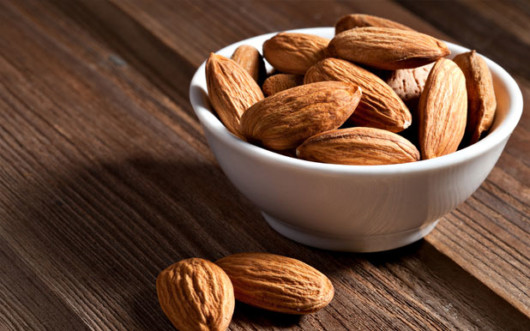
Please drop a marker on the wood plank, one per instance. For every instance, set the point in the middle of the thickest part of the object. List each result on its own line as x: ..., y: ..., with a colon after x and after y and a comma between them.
x: 26, y: 303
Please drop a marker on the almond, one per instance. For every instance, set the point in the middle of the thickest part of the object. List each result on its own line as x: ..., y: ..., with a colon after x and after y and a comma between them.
x: 358, y: 146
x: 442, y: 110
x: 481, y: 95
x: 196, y: 294
x: 285, y: 119
x: 251, y: 60
x: 379, y: 107
x: 280, y: 82
x: 293, y: 53
x: 362, y: 20
x: 408, y: 83
x: 387, y: 48
x: 277, y: 283
x: 231, y: 90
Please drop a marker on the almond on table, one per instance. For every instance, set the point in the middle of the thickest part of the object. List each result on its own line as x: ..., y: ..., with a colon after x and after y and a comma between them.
x: 196, y: 294
x: 277, y: 283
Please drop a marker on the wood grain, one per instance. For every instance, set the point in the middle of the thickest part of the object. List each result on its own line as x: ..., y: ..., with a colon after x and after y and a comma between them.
x: 106, y: 177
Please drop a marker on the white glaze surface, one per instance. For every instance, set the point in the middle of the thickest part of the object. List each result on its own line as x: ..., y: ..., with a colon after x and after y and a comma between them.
x: 356, y: 208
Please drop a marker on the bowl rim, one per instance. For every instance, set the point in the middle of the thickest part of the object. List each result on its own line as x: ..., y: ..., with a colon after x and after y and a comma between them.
x: 500, y: 134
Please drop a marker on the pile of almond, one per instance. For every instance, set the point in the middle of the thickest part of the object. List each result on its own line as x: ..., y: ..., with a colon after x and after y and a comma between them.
x: 196, y: 294
x: 377, y: 93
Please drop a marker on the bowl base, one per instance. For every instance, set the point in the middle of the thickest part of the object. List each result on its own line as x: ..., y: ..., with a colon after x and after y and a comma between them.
x: 360, y: 244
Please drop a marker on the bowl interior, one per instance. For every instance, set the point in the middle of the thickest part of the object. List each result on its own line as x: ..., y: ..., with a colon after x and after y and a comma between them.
x: 509, y: 110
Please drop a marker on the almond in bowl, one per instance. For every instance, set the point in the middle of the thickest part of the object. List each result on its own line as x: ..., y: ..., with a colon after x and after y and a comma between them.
x: 290, y: 163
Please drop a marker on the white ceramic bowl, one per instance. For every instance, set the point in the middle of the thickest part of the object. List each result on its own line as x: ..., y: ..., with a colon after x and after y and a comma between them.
x: 356, y: 208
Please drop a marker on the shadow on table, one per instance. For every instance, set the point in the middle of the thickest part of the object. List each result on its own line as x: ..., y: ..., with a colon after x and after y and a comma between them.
x: 111, y: 229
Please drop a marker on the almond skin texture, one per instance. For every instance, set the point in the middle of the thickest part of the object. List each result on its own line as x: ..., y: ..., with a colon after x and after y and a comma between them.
x: 285, y: 119
x: 442, y: 110
x: 361, y: 20
x: 231, y: 90
x: 293, y: 53
x: 387, y: 48
x: 409, y: 83
x: 358, y: 146
x: 251, y: 60
x: 481, y: 95
x: 277, y: 283
x: 379, y: 107
x: 281, y: 82
x: 196, y: 294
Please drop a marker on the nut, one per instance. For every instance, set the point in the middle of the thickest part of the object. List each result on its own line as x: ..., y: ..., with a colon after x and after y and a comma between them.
x: 442, y: 110
x: 277, y: 283
x: 387, y: 48
x: 358, y: 146
x: 231, y: 90
x: 379, y: 107
x: 408, y: 83
x: 361, y: 20
x: 285, y: 119
x: 389, y: 67
x: 293, y: 53
x: 251, y: 60
x: 481, y: 95
x: 196, y: 294
x: 280, y: 82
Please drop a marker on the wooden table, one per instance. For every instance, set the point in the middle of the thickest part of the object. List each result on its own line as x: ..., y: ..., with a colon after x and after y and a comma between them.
x: 106, y: 177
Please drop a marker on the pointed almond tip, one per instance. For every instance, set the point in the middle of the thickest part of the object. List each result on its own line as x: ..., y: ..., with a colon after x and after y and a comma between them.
x: 216, y: 57
x: 443, y: 46
x: 211, y: 58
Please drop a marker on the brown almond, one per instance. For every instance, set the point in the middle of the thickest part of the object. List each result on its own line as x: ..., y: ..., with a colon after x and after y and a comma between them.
x: 442, y: 110
x: 362, y: 20
x: 285, y: 119
x: 277, y: 283
x: 251, y: 60
x: 231, y: 90
x: 293, y: 53
x: 358, y: 146
x: 379, y: 107
x: 387, y: 48
x: 280, y: 82
x: 409, y: 83
x: 196, y: 294
x: 480, y: 93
